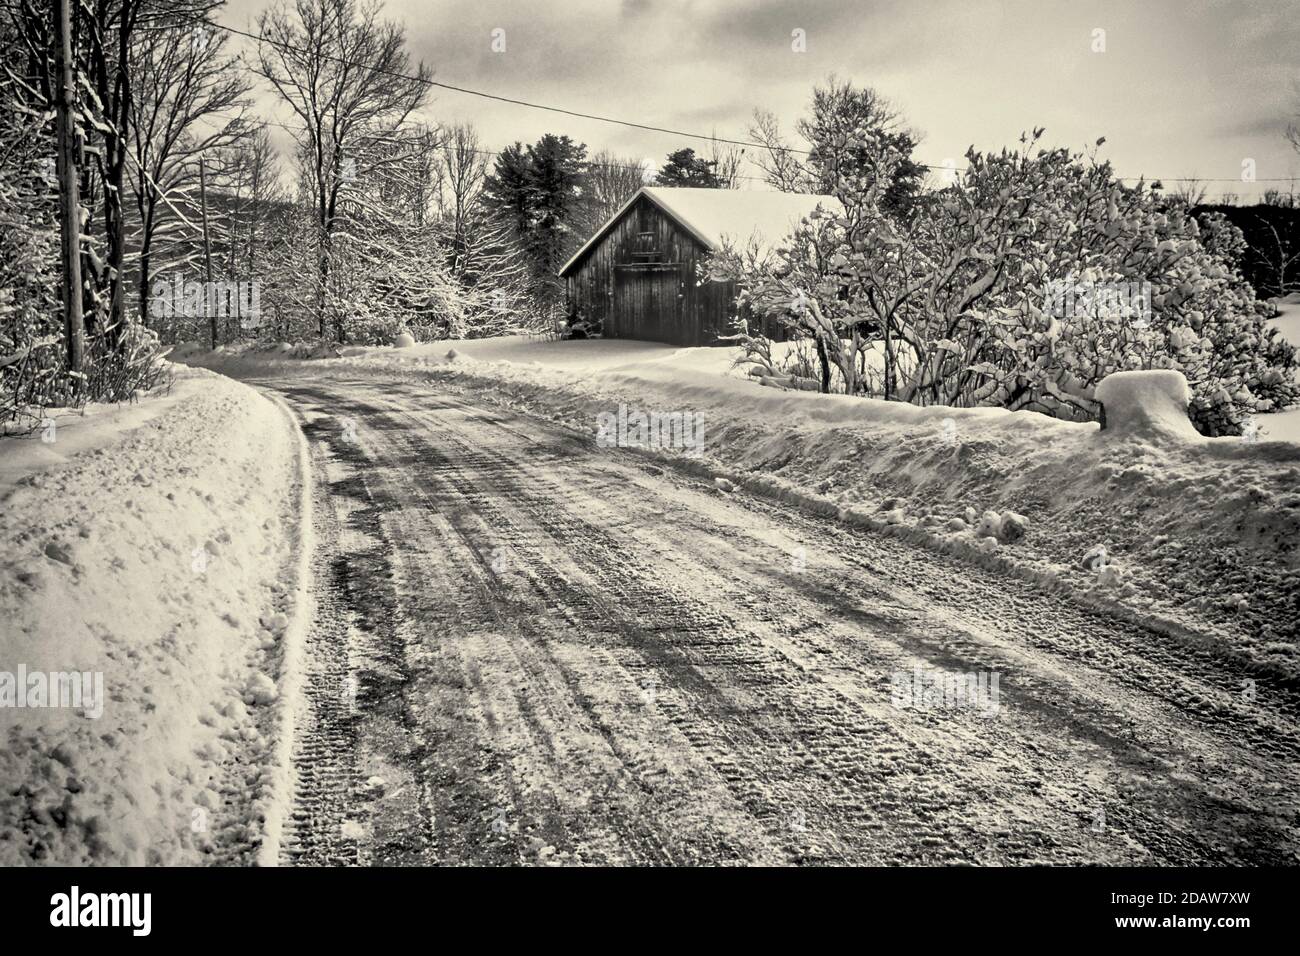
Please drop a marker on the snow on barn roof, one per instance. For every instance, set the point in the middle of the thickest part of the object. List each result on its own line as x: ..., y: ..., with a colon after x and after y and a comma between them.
x: 716, y: 216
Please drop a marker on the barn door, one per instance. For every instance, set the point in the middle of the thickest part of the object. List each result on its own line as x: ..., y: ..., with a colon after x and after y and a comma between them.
x: 646, y: 303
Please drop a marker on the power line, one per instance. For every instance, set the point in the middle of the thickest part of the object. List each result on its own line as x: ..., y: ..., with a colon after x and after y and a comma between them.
x: 499, y: 152
x: 632, y: 124
x: 491, y: 96
x: 763, y: 178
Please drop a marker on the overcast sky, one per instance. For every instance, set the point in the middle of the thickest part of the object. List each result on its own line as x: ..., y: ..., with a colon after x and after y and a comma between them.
x: 1183, y: 87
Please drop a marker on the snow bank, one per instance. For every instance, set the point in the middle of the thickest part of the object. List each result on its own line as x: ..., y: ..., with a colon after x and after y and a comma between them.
x: 154, y: 561
x: 1147, y: 404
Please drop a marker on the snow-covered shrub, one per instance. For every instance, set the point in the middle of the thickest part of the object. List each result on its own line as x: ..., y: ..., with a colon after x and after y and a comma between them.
x: 119, y: 368
x: 988, y: 293
x: 32, y: 356
x: 34, y: 372
x: 777, y: 284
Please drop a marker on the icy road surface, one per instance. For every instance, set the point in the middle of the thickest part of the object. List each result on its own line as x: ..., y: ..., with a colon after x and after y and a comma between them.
x: 529, y: 649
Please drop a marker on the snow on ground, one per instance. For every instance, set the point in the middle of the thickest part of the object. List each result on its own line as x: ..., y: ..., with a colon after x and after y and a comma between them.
x: 67, y: 432
x: 1149, y: 517
x: 1285, y: 425
x: 145, y: 547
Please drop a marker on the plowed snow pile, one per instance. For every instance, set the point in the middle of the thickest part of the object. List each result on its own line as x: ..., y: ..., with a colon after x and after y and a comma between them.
x: 1147, y: 516
x: 146, y: 567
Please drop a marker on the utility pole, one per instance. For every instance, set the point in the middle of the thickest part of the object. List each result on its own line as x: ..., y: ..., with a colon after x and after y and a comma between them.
x: 208, y: 297
x: 69, y: 197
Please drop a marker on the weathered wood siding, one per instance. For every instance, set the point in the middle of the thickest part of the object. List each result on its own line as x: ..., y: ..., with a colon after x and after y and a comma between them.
x: 640, y: 281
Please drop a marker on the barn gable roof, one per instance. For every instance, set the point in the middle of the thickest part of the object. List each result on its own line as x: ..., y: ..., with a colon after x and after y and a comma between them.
x: 717, y: 216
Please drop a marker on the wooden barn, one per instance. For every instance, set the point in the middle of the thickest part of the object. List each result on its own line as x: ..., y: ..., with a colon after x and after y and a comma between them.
x: 637, y: 275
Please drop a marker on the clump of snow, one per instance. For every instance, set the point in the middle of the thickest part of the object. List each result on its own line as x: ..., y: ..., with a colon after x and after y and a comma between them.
x: 1111, y: 576
x: 894, y: 516
x: 1095, y: 558
x: 1001, y: 528
x: 990, y: 525
x: 403, y: 340
x: 143, y: 557
x: 259, y: 689
x: 1147, y: 404
x: 1012, y: 526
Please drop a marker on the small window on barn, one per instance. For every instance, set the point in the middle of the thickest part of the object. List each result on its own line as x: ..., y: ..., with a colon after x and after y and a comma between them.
x: 646, y: 248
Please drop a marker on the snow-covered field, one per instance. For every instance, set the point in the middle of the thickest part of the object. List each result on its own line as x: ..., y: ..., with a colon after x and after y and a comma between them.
x: 1193, y: 533
x: 147, y: 547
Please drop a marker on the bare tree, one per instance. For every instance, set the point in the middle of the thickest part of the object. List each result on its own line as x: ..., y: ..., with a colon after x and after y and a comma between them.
x: 480, y: 253
x: 1274, y: 249
x: 346, y: 74
x: 1190, y: 192
x: 1283, y: 258
x: 186, y: 87
x: 780, y: 163
x: 1293, y: 130
x: 104, y: 38
x: 1283, y: 200
x: 250, y: 175
x: 728, y: 161
x: 610, y: 182
x: 108, y: 35
x: 460, y: 168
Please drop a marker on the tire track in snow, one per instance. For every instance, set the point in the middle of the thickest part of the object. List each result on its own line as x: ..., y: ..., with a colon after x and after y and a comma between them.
x: 620, y: 691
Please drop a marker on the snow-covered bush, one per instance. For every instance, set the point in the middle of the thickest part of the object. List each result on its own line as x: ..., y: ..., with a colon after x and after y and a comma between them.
x: 119, y: 359
x: 32, y: 373
x: 1023, y: 285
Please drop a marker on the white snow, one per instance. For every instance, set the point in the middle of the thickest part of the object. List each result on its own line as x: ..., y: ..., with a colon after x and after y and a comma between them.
x: 75, y: 431
x: 146, y: 551
x: 1288, y: 323
x: 990, y: 525
x: 1147, y: 404
x: 1284, y: 425
x: 1012, y: 526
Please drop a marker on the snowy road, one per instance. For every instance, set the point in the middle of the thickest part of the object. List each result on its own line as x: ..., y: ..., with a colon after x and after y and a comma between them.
x: 529, y: 649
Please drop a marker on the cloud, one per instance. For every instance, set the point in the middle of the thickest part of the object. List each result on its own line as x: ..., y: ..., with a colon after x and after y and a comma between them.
x: 1183, y: 83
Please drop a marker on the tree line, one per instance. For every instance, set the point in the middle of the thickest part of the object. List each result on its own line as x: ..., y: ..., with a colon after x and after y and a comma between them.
x: 198, y: 220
